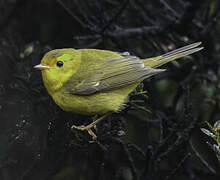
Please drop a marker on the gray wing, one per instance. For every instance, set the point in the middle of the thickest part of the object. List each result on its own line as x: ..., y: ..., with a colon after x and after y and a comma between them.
x: 113, y: 74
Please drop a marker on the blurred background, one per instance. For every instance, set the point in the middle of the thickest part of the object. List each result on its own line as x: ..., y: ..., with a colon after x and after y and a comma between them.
x: 157, y: 136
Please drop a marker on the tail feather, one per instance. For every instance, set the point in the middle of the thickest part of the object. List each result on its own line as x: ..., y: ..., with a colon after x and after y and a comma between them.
x: 170, y: 56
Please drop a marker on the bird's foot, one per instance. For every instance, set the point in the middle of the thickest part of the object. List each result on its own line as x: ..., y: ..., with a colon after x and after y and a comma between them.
x: 89, y: 127
x: 86, y: 128
x: 94, y: 118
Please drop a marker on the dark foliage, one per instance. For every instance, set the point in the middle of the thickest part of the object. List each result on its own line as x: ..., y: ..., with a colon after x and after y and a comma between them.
x: 157, y: 137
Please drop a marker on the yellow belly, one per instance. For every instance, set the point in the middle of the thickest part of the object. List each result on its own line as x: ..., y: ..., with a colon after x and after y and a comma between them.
x: 98, y: 103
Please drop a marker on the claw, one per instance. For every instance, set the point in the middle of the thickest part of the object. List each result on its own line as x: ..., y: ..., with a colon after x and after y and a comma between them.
x: 89, y: 127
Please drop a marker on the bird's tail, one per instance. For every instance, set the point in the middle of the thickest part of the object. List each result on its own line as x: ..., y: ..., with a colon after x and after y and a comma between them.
x: 170, y: 56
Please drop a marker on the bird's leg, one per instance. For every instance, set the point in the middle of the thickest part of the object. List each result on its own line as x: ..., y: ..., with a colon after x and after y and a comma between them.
x: 94, y: 118
x: 89, y: 127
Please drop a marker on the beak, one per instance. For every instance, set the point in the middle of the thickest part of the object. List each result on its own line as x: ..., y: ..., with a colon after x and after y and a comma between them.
x: 41, y: 67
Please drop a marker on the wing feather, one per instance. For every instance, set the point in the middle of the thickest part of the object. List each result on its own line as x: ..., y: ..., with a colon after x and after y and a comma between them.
x: 113, y: 74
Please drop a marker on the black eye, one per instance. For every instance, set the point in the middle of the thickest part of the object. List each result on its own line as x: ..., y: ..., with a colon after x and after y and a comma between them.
x: 59, y: 63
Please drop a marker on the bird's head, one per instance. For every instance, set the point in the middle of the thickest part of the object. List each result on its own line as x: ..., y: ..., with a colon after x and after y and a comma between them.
x: 58, y: 66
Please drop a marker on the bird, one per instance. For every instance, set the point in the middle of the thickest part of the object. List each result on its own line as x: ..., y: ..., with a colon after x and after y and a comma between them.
x: 97, y: 82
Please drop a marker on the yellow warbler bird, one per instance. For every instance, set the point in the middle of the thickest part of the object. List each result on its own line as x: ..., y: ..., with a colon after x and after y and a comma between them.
x: 96, y: 82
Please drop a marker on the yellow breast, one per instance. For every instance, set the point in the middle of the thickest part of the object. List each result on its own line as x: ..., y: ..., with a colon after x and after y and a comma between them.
x: 98, y: 103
